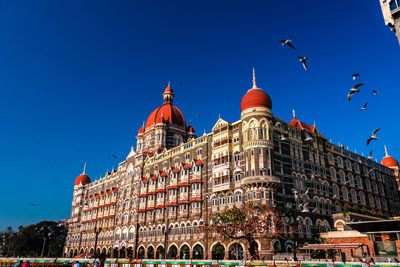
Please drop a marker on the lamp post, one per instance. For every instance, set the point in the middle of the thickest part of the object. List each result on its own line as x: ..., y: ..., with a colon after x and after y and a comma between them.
x: 96, y: 232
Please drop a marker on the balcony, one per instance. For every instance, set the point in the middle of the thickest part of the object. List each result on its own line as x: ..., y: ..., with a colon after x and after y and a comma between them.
x: 223, y: 187
x: 269, y: 181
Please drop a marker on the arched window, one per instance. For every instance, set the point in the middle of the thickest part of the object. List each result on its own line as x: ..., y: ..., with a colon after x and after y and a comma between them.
x: 238, y: 196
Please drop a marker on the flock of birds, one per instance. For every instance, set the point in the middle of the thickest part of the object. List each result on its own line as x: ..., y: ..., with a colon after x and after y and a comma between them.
x: 356, y: 89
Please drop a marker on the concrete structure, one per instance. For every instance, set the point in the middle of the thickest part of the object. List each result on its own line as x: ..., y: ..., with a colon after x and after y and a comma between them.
x: 391, y: 15
x: 170, y: 185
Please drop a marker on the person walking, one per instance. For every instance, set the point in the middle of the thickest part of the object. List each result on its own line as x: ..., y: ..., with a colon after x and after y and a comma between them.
x: 26, y: 264
x: 18, y: 264
x: 76, y: 264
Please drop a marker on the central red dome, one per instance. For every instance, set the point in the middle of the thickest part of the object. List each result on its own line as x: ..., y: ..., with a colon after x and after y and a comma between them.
x: 166, y: 113
x: 389, y: 161
x: 82, y: 179
x: 255, y: 98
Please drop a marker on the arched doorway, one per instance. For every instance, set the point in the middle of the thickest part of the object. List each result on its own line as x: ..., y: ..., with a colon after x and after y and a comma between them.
x: 160, y: 252
x: 115, y: 253
x: 104, y: 251
x: 173, y: 252
x: 71, y: 253
x: 97, y: 252
x: 236, y: 252
x: 91, y: 251
x: 75, y: 252
x: 81, y: 252
x: 109, y: 252
x: 122, y: 253
x: 150, y: 252
x: 198, y: 252
x: 140, y: 253
x: 218, y: 252
x: 254, y: 251
x: 185, y: 252
x: 129, y: 253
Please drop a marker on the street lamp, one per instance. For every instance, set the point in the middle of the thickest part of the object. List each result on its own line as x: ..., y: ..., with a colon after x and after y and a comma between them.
x: 96, y: 232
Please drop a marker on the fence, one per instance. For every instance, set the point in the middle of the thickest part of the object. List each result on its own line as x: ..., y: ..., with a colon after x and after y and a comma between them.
x: 64, y: 262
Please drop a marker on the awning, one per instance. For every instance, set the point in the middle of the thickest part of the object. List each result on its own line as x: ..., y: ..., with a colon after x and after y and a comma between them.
x: 380, y: 226
x: 331, y: 246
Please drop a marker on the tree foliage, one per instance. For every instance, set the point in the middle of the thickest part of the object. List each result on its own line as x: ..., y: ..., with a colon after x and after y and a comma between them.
x: 29, y: 240
x: 248, y: 223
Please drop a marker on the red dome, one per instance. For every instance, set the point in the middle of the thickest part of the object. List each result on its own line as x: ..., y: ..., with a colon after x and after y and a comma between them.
x: 389, y: 161
x: 255, y: 98
x: 166, y: 113
x: 141, y: 130
x: 83, y: 178
x: 190, y: 129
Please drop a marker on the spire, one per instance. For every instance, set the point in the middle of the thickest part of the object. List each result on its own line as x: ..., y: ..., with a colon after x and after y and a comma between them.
x: 84, y: 168
x: 254, y: 80
x: 294, y: 114
x: 168, y: 94
x: 387, y: 155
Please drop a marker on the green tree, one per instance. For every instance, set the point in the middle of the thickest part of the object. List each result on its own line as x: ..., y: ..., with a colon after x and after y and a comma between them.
x: 29, y: 240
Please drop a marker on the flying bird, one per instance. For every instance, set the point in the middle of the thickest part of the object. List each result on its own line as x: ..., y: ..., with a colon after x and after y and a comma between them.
x: 197, y: 114
x: 112, y: 155
x: 373, y: 136
x: 365, y: 106
x: 32, y: 204
x: 308, y: 137
x: 335, y: 197
x: 180, y: 83
x: 354, y: 90
x: 355, y: 75
x: 370, y: 155
x: 288, y: 43
x: 314, y: 210
x: 283, y: 138
x: 303, y: 60
x: 375, y: 92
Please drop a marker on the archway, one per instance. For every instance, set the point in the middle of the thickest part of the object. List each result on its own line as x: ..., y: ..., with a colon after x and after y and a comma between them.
x: 75, y: 252
x: 109, y: 252
x: 91, y: 251
x: 185, y: 252
x: 129, y: 252
x: 71, y: 253
x: 115, y: 253
x: 140, y: 253
x: 198, y: 252
x: 173, y: 252
x: 97, y: 251
x: 236, y: 252
x: 218, y: 252
x: 150, y: 252
x: 160, y: 252
x: 81, y: 251
x: 104, y: 251
x: 122, y: 253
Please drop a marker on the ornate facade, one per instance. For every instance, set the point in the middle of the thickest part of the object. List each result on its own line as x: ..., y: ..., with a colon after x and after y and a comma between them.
x: 159, y: 198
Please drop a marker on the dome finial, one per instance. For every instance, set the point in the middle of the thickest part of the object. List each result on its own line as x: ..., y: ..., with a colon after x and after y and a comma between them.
x: 169, y: 84
x: 294, y: 113
x: 84, y: 168
x: 254, y: 80
x: 387, y: 155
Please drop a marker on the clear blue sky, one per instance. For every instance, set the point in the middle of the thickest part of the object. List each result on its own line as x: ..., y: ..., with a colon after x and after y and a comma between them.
x: 77, y: 79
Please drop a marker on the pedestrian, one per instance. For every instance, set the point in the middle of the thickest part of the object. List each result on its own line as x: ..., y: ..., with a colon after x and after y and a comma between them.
x: 18, y: 264
x: 26, y: 264
x: 76, y: 264
x: 96, y: 264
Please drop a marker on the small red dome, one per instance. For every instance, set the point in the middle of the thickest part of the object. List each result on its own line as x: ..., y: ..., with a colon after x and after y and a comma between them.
x: 190, y: 129
x: 168, y: 89
x: 255, y: 98
x: 166, y: 113
x: 83, y: 178
x: 389, y: 161
x: 141, y: 130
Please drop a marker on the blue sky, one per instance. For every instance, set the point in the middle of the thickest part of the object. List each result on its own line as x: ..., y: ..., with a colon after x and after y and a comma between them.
x: 78, y: 78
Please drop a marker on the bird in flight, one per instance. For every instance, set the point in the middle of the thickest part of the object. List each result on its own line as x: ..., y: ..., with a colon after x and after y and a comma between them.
x: 354, y: 90
x: 303, y: 60
x: 32, y: 204
x: 355, y: 75
x: 308, y: 137
x: 365, y: 106
x: 375, y: 92
x: 370, y: 155
x: 197, y: 114
x: 373, y: 136
x: 112, y: 155
x: 283, y: 138
x: 288, y: 43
